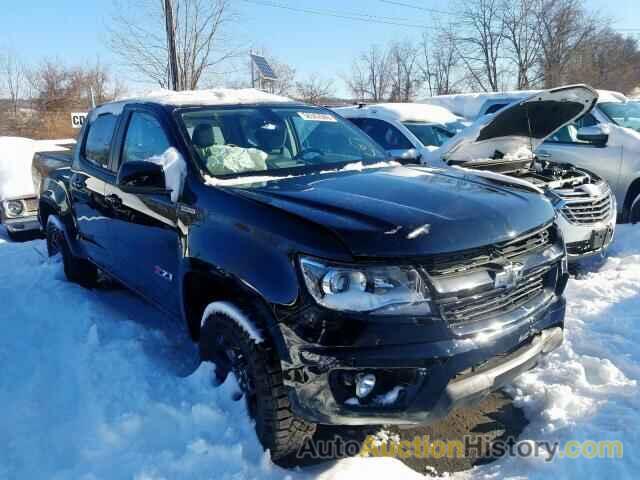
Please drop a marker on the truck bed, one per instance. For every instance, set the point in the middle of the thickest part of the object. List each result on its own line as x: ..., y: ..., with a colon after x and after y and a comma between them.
x: 45, y: 162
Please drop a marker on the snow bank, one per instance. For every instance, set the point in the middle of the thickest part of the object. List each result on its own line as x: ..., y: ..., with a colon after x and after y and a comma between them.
x: 90, y: 386
x: 402, y: 112
x: 16, y: 154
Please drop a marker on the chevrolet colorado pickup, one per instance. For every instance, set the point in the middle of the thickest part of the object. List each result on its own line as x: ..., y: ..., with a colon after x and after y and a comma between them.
x: 337, y: 286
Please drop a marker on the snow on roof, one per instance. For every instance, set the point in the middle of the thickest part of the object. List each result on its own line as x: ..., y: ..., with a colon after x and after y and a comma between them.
x: 16, y: 154
x: 469, y: 105
x: 605, y: 96
x: 403, y: 112
x: 214, y: 96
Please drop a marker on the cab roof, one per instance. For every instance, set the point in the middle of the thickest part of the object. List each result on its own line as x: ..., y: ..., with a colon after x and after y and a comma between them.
x: 210, y: 97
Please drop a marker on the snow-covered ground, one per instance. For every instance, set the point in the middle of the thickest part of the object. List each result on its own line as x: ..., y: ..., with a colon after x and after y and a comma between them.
x: 96, y: 385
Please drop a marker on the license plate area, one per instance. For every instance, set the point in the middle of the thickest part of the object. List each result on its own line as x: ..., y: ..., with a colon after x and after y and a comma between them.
x: 599, y: 238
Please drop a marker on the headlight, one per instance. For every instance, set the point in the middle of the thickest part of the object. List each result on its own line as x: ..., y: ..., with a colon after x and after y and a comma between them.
x: 13, y: 208
x: 379, y: 290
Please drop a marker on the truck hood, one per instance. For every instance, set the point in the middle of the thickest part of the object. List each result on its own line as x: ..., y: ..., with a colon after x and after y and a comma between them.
x: 406, y: 211
x: 519, y: 129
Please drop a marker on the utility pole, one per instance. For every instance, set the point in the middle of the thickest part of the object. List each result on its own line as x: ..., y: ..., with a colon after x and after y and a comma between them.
x: 171, y: 44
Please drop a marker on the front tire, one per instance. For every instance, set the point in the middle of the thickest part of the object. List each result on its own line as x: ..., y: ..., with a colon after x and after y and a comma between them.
x: 77, y: 270
x: 634, y: 210
x: 259, y: 375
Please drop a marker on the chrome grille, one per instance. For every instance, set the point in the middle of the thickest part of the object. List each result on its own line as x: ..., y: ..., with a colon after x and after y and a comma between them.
x: 494, y: 302
x: 582, y: 208
x: 460, y: 262
x: 31, y: 204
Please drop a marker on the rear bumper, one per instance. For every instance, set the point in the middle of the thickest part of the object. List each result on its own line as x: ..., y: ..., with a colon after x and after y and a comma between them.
x: 22, y: 224
x: 420, y: 383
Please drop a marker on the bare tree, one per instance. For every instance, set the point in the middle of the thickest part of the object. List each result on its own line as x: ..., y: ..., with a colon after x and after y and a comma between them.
x: 314, y: 89
x: 142, y: 36
x: 14, y: 74
x: 440, y: 62
x: 370, y: 77
x: 606, y: 59
x: 564, y: 26
x: 58, y: 87
x: 522, y: 41
x: 405, y: 71
x: 286, y: 75
x: 479, y: 42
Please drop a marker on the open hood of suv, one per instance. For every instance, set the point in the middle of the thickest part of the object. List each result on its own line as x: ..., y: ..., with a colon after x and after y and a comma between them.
x: 519, y: 129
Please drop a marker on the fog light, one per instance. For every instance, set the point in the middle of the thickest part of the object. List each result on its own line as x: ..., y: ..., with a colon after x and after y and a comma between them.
x: 365, y: 384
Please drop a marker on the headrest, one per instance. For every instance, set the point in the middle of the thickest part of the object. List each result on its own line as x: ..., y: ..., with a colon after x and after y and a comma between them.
x: 203, y: 136
x: 270, y: 136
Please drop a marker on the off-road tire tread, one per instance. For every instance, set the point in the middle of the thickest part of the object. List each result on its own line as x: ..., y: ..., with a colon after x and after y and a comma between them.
x: 280, y: 430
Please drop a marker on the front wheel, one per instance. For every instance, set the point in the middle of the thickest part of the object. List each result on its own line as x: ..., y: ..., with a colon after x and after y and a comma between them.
x: 77, y: 270
x: 258, y: 373
x: 634, y: 211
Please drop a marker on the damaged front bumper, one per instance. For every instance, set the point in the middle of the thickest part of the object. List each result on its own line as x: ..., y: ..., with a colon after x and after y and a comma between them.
x: 22, y: 224
x: 421, y: 380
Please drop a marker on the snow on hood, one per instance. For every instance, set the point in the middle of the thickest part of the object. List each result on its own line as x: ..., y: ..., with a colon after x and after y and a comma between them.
x: 519, y: 129
x: 258, y: 179
x: 16, y: 154
x: 402, y: 112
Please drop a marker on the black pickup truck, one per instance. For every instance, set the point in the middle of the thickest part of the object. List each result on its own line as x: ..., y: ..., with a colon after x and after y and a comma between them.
x: 337, y: 286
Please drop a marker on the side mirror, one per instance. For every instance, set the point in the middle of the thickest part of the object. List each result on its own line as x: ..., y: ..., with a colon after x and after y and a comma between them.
x: 598, y: 135
x: 140, y: 177
x: 411, y: 156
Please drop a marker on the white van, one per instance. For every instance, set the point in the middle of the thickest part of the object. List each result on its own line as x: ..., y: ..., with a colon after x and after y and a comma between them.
x: 605, y: 141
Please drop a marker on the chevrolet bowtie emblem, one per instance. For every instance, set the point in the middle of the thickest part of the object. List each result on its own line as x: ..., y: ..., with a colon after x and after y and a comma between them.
x: 509, y: 276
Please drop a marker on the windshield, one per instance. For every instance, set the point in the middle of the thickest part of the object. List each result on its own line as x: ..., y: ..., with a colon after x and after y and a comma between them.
x: 624, y: 114
x: 431, y: 135
x: 243, y: 140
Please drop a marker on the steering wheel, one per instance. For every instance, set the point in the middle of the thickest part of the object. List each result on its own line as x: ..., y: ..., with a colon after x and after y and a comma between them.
x: 300, y: 155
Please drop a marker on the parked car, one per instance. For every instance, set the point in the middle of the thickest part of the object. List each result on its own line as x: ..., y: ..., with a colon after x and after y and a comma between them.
x: 606, y: 140
x: 18, y: 212
x: 339, y: 287
x: 405, y: 129
x: 502, y: 143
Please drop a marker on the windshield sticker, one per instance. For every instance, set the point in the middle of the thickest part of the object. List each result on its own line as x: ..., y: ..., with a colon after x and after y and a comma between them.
x: 317, y: 117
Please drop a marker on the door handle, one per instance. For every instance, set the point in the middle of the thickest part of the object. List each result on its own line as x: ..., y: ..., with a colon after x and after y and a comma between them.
x: 78, y: 183
x: 113, y: 200
x: 543, y: 154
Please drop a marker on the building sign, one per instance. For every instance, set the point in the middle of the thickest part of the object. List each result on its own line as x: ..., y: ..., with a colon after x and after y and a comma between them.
x: 77, y: 119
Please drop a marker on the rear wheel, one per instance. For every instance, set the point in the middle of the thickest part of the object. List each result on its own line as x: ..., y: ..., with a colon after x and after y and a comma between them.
x: 77, y: 270
x: 257, y: 370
